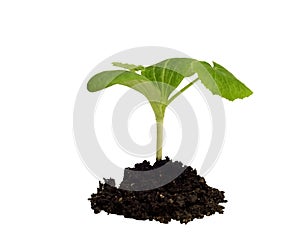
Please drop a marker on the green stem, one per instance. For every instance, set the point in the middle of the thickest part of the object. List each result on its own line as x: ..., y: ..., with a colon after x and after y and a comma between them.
x: 159, y: 139
x: 182, y: 90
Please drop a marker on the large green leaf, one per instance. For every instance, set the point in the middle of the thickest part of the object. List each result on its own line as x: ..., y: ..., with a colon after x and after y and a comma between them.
x: 165, y: 79
x: 217, y: 79
x: 226, y: 84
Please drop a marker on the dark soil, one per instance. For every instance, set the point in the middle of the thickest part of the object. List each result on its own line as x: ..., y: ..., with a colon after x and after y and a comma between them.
x: 184, y: 198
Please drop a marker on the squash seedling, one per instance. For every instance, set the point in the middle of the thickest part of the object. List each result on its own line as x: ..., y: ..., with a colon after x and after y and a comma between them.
x: 158, y: 84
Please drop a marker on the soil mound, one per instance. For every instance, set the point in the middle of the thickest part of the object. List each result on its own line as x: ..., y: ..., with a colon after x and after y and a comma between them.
x: 184, y: 198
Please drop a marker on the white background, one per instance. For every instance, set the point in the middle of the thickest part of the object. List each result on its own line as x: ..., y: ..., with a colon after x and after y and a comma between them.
x: 48, y: 47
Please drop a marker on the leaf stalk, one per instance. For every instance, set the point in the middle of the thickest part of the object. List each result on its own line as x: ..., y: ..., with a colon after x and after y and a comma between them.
x: 182, y: 90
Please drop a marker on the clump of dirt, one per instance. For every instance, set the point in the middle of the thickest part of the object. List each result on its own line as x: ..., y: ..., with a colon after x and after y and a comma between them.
x: 184, y: 198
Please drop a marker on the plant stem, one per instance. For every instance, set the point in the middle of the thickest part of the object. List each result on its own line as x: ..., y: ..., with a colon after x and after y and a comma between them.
x: 182, y: 90
x: 160, y: 120
x: 159, y: 138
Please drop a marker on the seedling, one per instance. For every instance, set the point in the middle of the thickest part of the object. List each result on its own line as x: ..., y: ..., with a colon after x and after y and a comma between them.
x: 158, y: 84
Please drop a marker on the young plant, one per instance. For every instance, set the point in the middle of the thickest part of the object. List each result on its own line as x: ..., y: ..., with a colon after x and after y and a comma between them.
x: 158, y: 82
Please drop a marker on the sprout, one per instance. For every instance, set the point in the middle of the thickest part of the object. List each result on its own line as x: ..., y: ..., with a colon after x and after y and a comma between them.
x: 157, y: 82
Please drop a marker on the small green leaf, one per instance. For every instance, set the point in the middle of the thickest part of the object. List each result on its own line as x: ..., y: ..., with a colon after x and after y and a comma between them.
x: 131, y: 67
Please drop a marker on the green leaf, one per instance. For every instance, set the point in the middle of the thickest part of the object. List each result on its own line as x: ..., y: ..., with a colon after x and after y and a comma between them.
x: 131, y: 67
x: 130, y: 79
x: 226, y: 84
x: 165, y: 79
x: 217, y: 79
